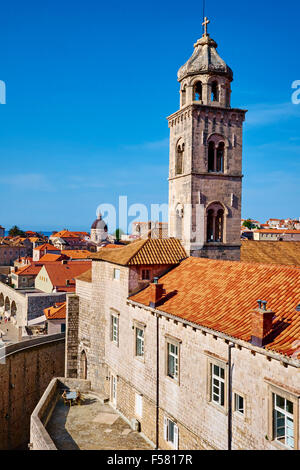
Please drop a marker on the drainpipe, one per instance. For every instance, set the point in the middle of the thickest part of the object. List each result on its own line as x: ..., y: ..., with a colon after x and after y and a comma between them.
x: 230, y: 346
x: 157, y: 382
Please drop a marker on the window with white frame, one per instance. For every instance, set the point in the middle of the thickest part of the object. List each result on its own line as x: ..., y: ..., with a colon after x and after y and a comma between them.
x: 139, y: 341
x: 173, y: 360
x: 171, y: 432
x: 139, y: 404
x: 217, y: 385
x: 239, y: 404
x: 283, y: 420
x: 115, y: 328
x: 117, y: 274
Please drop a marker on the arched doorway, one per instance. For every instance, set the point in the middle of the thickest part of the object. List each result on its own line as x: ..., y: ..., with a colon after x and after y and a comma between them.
x: 13, y: 309
x: 83, y: 365
x: 7, y: 305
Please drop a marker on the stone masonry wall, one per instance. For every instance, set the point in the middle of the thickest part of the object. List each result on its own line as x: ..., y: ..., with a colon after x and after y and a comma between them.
x: 24, y: 375
x: 72, y: 322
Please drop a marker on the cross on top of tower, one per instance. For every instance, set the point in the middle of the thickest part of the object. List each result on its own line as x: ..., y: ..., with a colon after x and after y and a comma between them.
x: 205, y: 24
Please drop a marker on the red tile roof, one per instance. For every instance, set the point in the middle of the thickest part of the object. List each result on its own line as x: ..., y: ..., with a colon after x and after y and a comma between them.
x: 145, y: 252
x: 47, y: 247
x: 57, y: 312
x: 65, y: 234
x: 277, y: 230
x: 60, y: 273
x: 50, y: 257
x: 221, y: 295
x: 33, y: 269
x: 76, y: 254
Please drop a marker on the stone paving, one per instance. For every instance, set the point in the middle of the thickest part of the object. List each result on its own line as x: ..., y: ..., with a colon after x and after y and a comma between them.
x: 92, y: 426
x: 9, y: 332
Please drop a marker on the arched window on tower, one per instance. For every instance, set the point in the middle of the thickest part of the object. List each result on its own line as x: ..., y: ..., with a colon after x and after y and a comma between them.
x: 220, y: 158
x: 197, y: 91
x: 211, y: 156
x: 183, y: 96
x: 216, y: 154
x: 215, y: 223
x: 179, y: 158
x: 214, y: 91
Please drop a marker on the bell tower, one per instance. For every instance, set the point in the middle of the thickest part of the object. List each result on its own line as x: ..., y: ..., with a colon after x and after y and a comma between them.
x: 205, y: 174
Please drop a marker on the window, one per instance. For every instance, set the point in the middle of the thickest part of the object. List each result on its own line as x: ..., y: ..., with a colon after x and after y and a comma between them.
x: 216, y: 154
x: 197, y: 91
x: 239, y: 404
x: 173, y: 360
x: 171, y: 432
x: 117, y: 274
x: 145, y: 274
x: 215, y: 223
x: 283, y: 420
x: 115, y: 329
x: 179, y: 158
x: 139, y: 342
x: 139, y: 405
x: 183, y: 96
x: 217, y: 385
x: 220, y: 158
x: 214, y: 91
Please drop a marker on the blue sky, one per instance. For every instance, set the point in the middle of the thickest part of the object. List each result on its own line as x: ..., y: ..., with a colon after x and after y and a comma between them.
x: 89, y: 86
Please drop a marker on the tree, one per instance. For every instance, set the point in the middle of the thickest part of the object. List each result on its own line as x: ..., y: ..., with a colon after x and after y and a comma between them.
x: 16, y: 232
x: 118, y: 233
x: 247, y: 223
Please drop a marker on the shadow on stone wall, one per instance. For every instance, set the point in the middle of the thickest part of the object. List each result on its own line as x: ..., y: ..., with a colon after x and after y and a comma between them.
x: 24, y: 376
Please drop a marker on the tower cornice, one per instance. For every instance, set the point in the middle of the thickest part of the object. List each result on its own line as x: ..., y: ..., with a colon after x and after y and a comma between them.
x: 202, y: 107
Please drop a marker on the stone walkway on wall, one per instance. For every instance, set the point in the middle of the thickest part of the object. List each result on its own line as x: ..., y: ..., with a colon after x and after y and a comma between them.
x: 92, y: 426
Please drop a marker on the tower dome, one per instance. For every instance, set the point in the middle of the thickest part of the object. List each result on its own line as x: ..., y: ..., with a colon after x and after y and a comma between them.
x: 205, y: 59
x: 99, y: 224
x: 99, y: 230
x: 205, y: 78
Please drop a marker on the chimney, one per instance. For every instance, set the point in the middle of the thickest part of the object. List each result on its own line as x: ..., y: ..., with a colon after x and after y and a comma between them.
x: 156, y: 292
x: 261, y: 323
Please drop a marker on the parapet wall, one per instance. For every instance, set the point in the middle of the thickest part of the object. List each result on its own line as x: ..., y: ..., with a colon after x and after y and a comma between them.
x: 39, y: 437
x: 26, y: 368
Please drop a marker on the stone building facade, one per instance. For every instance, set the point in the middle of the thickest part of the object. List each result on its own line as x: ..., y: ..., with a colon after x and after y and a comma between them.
x: 120, y: 342
x: 205, y: 177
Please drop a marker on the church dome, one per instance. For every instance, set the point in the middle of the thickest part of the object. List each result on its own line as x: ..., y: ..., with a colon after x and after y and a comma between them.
x: 99, y: 224
x: 205, y: 60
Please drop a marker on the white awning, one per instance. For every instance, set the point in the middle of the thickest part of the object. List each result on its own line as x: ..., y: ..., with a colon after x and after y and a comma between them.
x: 37, y: 320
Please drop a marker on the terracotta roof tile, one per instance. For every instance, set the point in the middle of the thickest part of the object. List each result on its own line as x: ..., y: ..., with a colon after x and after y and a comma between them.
x: 287, y: 253
x: 220, y: 295
x: 50, y: 257
x: 78, y: 254
x: 145, y: 252
x: 86, y: 277
x: 60, y: 273
x: 57, y: 312
x: 46, y: 246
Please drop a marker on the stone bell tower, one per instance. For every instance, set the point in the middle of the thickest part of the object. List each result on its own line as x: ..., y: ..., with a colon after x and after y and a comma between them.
x: 205, y: 177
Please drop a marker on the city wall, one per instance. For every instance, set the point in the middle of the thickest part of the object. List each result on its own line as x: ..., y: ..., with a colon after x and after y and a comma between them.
x: 26, y: 368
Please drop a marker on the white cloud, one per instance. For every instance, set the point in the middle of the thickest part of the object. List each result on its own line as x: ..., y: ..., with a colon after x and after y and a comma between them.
x: 28, y: 181
x: 263, y: 114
